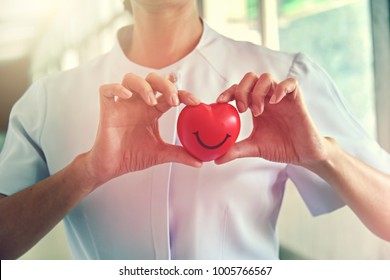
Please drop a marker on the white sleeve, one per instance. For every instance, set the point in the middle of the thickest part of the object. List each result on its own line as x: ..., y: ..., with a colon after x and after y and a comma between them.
x: 333, y: 119
x: 22, y: 162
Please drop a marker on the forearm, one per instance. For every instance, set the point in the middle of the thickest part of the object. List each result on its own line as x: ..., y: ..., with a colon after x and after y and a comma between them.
x: 365, y: 189
x: 28, y: 215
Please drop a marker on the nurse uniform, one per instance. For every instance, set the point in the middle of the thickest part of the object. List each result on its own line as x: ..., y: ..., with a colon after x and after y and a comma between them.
x: 172, y: 211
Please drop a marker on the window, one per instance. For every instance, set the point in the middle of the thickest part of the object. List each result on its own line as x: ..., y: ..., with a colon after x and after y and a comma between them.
x: 67, y: 42
x: 336, y: 34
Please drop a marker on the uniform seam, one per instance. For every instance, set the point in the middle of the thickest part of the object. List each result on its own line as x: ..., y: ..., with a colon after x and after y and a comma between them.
x: 291, y: 69
x: 211, y: 65
x: 223, y: 239
x: 44, y: 118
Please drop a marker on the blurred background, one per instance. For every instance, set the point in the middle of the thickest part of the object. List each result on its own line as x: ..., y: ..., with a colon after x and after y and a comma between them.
x: 349, y: 38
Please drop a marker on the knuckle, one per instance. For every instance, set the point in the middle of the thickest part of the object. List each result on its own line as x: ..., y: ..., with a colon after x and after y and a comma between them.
x: 128, y: 77
x: 152, y: 76
x: 231, y: 90
x: 102, y: 88
x: 144, y: 90
x: 241, y: 93
x: 266, y: 77
x: 294, y: 82
x: 136, y: 83
x: 110, y: 87
x: 289, y: 84
x: 116, y: 87
x: 170, y: 87
x: 251, y: 75
x: 160, y: 83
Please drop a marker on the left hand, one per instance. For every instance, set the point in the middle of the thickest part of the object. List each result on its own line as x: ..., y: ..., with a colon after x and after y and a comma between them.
x: 282, y: 128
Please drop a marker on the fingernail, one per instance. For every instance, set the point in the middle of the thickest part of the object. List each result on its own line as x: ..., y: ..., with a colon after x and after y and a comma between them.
x: 172, y: 77
x: 127, y: 93
x: 273, y: 99
x: 221, y: 99
x: 152, y: 99
x: 256, y: 110
x: 241, y: 106
x: 175, y: 100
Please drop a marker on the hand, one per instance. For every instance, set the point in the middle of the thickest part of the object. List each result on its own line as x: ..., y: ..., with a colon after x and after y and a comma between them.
x: 282, y: 128
x: 128, y: 137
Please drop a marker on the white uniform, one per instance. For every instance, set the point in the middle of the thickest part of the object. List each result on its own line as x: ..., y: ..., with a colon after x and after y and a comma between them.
x: 171, y: 210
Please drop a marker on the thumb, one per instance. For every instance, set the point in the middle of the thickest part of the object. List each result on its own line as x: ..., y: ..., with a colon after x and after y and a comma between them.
x: 178, y: 154
x: 238, y: 150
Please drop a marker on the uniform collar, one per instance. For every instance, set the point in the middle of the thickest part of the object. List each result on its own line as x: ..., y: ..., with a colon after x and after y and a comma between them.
x: 120, y: 64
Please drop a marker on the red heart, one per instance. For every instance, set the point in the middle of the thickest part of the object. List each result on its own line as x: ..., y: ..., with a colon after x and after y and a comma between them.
x: 208, y: 131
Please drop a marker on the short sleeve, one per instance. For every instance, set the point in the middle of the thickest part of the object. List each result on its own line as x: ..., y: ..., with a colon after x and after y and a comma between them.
x: 22, y: 162
x: 333, y: 119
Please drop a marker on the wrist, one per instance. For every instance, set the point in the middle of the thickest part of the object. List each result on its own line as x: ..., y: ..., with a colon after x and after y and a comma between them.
x: 83, y: 176
x: 326, y: 162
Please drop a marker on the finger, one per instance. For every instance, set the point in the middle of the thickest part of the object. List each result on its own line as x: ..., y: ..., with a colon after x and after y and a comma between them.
x: 165, y: 87
x: 244, y: 90
x: 178, y: 154
x: 172, y: 77
x: 141, y: 87
x: 188, y: 98
x: 287, y: 87
x: 227, y: 95
x: 115, y: 92
x: 238, y: 150
x: 185, y: 97
x: 264, y: 86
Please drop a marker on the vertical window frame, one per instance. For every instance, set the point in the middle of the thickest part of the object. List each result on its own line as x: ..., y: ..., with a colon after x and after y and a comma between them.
x: 380, y: 11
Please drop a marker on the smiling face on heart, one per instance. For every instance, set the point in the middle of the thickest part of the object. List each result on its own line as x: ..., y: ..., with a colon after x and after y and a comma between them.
x: 208, y: 131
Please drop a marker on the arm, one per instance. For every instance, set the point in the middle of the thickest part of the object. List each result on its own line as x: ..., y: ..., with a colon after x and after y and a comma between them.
x: 284, y: 132
x: 30, y: 214
x: 127, y: 140
x: 365, y: 189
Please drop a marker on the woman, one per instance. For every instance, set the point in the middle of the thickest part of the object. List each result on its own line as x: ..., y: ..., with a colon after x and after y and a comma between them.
x: 132, y: 192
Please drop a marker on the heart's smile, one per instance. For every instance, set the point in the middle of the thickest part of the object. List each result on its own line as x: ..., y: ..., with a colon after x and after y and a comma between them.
x: 208, y: 131
x: 210, y: 147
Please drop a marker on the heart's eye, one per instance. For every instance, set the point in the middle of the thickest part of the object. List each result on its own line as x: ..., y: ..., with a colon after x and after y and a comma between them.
x: 210, y: 147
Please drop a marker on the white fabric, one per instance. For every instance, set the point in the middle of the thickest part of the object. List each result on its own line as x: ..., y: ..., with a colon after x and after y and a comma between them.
x: 171, y: 210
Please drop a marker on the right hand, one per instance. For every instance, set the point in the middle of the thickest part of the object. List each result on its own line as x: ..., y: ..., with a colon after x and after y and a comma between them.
x: 128, y: 137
